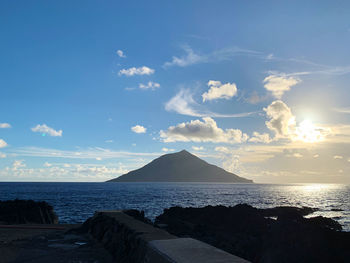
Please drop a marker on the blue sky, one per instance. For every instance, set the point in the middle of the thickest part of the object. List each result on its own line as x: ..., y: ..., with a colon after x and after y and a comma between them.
x: 90, y: 89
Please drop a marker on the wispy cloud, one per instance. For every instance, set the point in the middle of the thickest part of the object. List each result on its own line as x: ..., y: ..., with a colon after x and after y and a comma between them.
x: 255, y: 98
x: 191, y: 57
x: 342, y: 110
x: 136, y: 71
x: 183, y: 103
x: 149, y: 86
x: 89, y: 153
x: 46, y: 130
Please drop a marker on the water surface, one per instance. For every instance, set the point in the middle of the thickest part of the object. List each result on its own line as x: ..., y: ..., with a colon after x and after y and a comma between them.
x: 75, y: 202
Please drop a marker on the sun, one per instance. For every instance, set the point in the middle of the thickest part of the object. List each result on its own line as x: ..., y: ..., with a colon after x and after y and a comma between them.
x: 309, y: 132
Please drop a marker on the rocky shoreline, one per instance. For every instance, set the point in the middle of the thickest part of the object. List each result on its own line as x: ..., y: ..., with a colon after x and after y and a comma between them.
x: 280, y: 234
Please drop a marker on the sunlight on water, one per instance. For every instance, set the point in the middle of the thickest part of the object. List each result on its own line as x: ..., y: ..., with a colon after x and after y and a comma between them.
x: 75, y: 202
x: 316, y: 187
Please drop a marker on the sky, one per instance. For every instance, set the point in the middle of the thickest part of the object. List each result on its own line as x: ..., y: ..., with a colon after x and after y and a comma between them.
x: 90, y: 90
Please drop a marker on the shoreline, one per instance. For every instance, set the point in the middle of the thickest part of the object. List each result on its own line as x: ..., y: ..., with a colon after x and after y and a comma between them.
x: 242, y: 231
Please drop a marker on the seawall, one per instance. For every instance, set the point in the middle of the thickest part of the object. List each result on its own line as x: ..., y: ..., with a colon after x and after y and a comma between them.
x: 130, y: 240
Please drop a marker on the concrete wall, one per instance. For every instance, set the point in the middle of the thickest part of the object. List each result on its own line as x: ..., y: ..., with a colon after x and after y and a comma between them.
x: 130, y: 240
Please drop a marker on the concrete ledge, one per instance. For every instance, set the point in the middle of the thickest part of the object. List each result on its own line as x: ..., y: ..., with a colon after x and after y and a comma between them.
x: 130, y: 240
x: 144, y: 231
x: 189, y: 250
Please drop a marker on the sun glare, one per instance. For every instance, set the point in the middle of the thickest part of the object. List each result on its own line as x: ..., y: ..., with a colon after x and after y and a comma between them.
x: 308, y: 132
x: 315, y: 187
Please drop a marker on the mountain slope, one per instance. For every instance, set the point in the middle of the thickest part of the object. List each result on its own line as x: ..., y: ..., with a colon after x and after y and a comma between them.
x: 180, y: 167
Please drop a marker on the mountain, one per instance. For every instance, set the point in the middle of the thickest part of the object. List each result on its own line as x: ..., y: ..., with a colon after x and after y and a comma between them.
x: 180, y: 167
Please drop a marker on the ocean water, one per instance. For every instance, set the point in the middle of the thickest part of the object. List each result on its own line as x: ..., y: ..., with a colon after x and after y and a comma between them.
x: 75, y: 202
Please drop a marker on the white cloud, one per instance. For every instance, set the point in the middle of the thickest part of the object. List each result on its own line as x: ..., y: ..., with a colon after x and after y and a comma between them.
x: 2, y: 155
x: 120, y: 53
x: 222, y: 149
x: 63, y: 172
x: 136, y: 71
x: 183, y: 103
x: 109, y: 141
x: 270, y: 56
x: 258, y: 137
x: 5, y: 125
x: 202, y: 131
x: 164, y: 149
x: 230, y: 160
x: 217, y: 90
x: 138, y: 129
x: 44, y: 129
x: 198, y: 148
x: 150, y: 85
x: 282, y: 121
x: 316, y: 156
x: 189, y: 59
x: 18, y: 164
x: 3, y: 144
x: 338, y: 157
x: 297, y: 155
x: 279, y: 84
x: 47, y: 164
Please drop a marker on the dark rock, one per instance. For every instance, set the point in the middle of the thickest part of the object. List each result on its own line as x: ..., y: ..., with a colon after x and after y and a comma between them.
x: 288, y: 211
x: 121, y: 241
x: 324, y: 222
x: 26, y: 212
x: 251, y: 233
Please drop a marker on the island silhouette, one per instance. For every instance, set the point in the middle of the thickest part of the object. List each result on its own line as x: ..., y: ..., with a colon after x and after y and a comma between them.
x: 180, y: 167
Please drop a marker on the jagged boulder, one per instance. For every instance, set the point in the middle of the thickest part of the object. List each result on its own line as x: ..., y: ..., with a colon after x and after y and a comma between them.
x: 26, y: 212
x: 279, y: 234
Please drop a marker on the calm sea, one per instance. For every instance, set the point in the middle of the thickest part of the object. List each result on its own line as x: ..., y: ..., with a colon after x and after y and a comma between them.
x: 75, y: 202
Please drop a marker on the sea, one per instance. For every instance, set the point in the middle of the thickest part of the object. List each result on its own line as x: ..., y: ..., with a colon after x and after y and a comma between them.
x: 76, y: 202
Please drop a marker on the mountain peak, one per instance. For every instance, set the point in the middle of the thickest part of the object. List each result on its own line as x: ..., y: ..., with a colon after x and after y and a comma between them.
x: 184, y: 152
x: 180, y: 167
